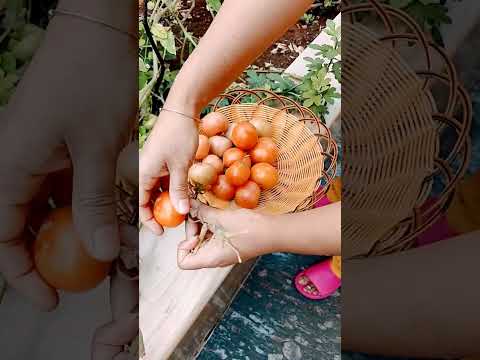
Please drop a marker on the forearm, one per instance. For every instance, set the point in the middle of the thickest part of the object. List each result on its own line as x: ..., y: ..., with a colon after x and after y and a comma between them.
x: 313, y: 232
x: 241, y: 31
x: 419, y: 303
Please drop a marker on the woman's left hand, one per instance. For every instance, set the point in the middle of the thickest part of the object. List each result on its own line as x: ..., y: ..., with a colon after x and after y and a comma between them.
x: 237, y: 235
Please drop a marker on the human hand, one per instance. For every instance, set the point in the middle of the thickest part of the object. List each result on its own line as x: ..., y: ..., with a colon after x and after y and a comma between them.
x: 111, y: 340
x: 170, y: 148
x: 82, y: 120
x: 238, y: 234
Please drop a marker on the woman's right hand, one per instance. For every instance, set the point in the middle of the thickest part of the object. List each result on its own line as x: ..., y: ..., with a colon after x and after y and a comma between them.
x: 169, y: 149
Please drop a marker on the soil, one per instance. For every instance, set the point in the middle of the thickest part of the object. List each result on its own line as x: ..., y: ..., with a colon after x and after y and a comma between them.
x: 300, y: 35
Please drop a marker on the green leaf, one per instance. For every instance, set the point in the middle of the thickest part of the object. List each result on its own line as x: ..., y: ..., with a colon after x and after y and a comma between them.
x: 307, y: 103
x: 337, y: 71
x: 165, y: 37
x: 142, y: 80
x: 8, y: 62
x: 26, y: 48
x: 214, y: 6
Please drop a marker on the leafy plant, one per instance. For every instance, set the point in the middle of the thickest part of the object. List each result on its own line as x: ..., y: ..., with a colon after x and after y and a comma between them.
x: 316, y: 90
x: 431, y: 15
x: 275, y: 82
x: 308, y: 18
x: 19, y: 39
x: 174, y: 43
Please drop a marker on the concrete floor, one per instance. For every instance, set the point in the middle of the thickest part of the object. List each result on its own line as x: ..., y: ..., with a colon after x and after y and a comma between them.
x: 270, y: 320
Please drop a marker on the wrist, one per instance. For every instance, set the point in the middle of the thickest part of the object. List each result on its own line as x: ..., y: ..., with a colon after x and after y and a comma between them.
x: 277, y: 231
x: 184, y: 104
x: 269, y: 234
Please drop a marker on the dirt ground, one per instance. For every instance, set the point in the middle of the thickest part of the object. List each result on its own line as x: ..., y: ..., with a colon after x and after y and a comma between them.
x: 299, y: 35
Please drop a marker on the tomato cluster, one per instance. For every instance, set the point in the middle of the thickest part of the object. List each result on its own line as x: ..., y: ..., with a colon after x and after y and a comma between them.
x: 236, y: 161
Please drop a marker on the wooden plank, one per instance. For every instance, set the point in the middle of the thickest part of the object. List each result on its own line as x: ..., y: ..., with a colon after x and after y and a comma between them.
x: 171, y: 299
x: 196, y: 337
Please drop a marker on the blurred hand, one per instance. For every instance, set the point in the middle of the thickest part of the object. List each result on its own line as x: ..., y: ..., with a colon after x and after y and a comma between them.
x: 110, y: 339
x: 243, y: 231
x: 170, y: 148
x: 74, y: 107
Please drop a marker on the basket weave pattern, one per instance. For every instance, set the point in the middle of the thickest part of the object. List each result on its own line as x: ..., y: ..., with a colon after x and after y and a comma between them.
x: 403, y: 110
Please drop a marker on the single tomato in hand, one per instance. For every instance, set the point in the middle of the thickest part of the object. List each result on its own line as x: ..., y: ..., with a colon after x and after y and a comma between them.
x: 238, y: 174
x: 164, y: 212
x: 223, y: 189
x: 203, y: 147
x: 248, y: 195
x: 244, y: 135
x: 60, y: 256
x: 214, y: 123
x: 265, y: 175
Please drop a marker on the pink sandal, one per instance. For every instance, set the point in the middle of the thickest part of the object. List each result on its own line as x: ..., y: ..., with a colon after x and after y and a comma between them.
x: 319, y: 279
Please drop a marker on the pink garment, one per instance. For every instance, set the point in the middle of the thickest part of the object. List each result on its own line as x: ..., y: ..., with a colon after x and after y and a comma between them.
x: 440, y: 230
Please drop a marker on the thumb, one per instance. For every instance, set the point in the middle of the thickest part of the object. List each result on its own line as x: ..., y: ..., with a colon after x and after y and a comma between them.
x: 179, y: 188
x: 94, y: 211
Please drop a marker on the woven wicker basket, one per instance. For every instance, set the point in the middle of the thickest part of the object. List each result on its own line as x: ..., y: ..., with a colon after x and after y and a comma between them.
x: 307, y: 151
x: 402, y: 110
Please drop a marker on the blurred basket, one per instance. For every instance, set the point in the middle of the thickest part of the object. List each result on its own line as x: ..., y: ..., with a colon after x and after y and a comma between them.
x: 399, y: 174
x: 307, y: 152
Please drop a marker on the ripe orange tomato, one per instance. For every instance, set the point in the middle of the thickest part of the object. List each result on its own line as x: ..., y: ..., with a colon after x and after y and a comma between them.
x: 238, y: 174
x: 265, y: 151
x: 244, y: 136
x: 214, y: 123
x: 60, y: 257
x: 232, y: 155
x: 223, y: 189
x: 203, y: 147
x: 265, y: 175
x: 164, y: 212
x: 248, y: 195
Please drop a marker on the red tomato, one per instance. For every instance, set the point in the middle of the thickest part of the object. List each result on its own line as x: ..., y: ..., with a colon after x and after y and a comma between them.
x: 238, y: 174
x: 248, y: 195
x: 244, y: 136
x: 60, y: 257
x: 164, y: 212
x: 223, y: 189
x: 265, y: 175
x: 203, y: 147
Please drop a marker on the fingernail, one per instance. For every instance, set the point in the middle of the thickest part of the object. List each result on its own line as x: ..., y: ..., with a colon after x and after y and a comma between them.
x: 184, y: 206
x: 106, y: 244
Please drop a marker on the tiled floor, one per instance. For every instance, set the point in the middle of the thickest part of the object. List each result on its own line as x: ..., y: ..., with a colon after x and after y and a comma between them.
x: 270, y: 320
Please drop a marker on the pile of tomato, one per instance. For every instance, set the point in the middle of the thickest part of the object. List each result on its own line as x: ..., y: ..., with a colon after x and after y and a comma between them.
x: 237, y: 161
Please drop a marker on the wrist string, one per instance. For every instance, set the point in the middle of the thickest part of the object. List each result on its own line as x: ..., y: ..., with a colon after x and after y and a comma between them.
x: 180, y: 113
x: 94, y: 20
